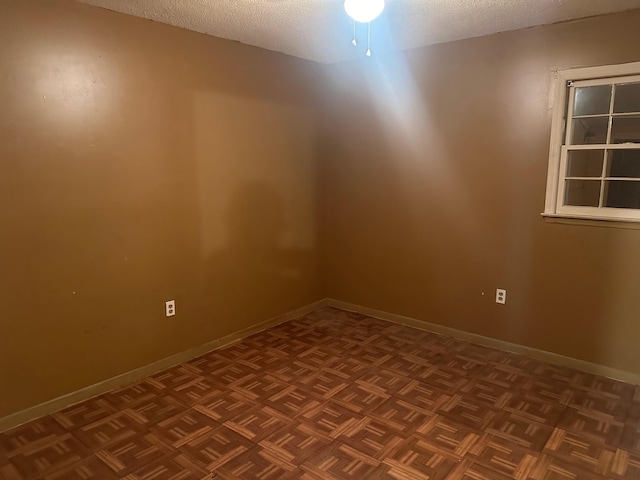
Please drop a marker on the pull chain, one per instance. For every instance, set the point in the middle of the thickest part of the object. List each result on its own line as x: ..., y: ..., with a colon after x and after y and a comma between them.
x: 354, y: 42
x: 369, y: 39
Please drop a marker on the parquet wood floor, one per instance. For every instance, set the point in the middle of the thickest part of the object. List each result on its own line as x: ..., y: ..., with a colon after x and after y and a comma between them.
x: 339, y: 395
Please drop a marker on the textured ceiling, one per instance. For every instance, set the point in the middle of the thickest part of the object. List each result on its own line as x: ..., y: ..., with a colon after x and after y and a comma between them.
x: 320, y: 30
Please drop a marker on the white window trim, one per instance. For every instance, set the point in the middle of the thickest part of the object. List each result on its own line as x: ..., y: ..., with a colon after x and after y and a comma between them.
x: 552, y: 207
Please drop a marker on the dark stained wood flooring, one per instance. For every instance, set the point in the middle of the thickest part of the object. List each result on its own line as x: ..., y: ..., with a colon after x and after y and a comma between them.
x: 339, y: 395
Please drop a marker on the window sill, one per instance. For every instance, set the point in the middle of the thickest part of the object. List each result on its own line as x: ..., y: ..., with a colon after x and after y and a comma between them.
x: 627, y: 223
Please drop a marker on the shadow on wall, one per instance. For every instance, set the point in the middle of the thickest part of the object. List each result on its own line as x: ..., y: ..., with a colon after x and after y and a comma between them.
x: 253, y: 267
x: 256, y: 198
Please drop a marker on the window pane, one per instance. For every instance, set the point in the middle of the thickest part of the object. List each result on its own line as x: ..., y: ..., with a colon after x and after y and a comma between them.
x: 623, y: 163
x: 589, y: 131
x: 592, y: 100
x: 584, y: 193
x: 625, y: 129
x: 627, y: 98
x: 622, y: 194
x: 585, y: 163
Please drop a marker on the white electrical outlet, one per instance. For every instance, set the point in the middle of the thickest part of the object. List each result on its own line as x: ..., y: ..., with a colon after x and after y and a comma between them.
x: 501, y: 296
x: 170, y: 308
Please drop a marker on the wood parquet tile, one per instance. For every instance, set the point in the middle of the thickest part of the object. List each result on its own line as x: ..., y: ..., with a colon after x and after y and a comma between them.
x: 401, y: 416
x: 516, y: 363
x: 537, y: 409
x: 487, y: 392
x: 127, y: 455
x: 503, y: 456
x: 520, y: 430
x: 625, y: 465
x: 419, y: 394
x: 549, y: 467
x: 552, y: 391
x: 209, y: 452
x: 467, y: 410
x: 446, y: 437
x: 416, y: 461
x: 90, y: 469
x: 43, y: 457
x: 630, y: 439
x: 259, y: 462
x: 117, y: 426
x: 611, y: 409
x: 340, y: 460
x: 84, y: 413
x: 340, y: 395
x: 592, y: 425
x: 296, y: 442
x: 572, y: 448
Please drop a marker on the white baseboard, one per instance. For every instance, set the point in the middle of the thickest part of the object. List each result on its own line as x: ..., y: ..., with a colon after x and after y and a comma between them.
x: 132, y: 376
x: 542, y: 355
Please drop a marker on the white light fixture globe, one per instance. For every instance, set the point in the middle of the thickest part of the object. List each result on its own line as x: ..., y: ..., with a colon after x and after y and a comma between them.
x: 364, y: 11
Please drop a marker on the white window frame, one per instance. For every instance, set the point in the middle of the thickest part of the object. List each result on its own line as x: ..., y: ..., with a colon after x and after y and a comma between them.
x: 565, y: 82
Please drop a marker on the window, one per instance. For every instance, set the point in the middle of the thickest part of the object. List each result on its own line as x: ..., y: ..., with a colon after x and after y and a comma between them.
x: 594, y: 164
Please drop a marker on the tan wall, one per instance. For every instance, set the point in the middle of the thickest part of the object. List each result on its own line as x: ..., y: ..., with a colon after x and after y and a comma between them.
x: 436, y: 181
x: 142, y: 163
